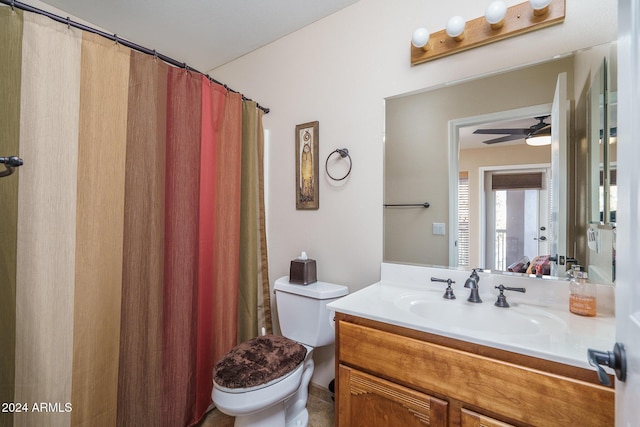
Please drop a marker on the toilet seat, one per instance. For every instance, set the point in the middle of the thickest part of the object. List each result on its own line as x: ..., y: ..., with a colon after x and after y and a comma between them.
x: 238, y: 390
x: 258, y: 363
x: 242, y: 402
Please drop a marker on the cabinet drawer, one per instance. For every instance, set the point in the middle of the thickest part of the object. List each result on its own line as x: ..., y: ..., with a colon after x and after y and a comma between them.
x: 473, y: 419
x: 369, y: 401
x: 521, y: 394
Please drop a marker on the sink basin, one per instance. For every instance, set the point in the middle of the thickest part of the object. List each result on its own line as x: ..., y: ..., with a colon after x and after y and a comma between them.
x: 461, y: 316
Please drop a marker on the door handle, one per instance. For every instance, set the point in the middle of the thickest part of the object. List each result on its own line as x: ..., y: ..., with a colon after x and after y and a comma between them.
x: 541, y: 238
x: 616, y: 360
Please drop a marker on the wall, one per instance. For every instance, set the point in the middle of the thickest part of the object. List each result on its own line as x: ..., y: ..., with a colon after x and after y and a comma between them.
x: 339, y: 71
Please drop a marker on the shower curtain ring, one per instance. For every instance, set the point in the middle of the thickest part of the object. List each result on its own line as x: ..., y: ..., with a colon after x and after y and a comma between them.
x: 68, y: 23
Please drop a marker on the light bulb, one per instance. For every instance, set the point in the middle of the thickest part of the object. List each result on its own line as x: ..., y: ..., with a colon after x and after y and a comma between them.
x: 538, y: 140
x: 495, y: 14
x: 455, y: 28
x: 540, y: 7
x: 420, y: 38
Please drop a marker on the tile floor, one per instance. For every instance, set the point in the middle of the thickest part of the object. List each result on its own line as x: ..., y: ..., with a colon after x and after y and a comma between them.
x: 320, y: 406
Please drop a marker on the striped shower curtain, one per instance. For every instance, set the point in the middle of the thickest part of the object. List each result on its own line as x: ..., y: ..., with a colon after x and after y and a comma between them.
x: 124, y: 234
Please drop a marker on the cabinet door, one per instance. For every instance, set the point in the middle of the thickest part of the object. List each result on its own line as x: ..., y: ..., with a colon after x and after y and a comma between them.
x: 367, y: 401
x: 473, y: 419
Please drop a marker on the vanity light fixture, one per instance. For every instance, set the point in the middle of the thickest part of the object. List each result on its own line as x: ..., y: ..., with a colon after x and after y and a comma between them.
x: 500, y: 22
x: 540, y: 7
x: 420, y: 39
x: 495, y: 13
x: 455, y: 28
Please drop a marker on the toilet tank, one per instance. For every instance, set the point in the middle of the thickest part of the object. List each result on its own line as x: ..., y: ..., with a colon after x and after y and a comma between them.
x: 303, y: 313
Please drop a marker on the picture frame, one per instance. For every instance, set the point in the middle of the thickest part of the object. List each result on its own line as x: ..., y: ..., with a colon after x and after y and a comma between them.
x: 307, y: 186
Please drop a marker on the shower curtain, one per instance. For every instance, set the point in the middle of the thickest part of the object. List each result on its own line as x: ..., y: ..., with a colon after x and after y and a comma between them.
x: 124, y: 235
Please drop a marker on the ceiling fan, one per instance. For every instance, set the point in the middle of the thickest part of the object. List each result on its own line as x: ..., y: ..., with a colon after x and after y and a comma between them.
x: 512, y: 134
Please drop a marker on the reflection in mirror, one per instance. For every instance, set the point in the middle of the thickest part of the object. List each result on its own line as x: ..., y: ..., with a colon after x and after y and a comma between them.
x: 419, y: 165
x: 602, y: 146
x: 508, y: 189
x: 603, y: 195
x: 596, y: 114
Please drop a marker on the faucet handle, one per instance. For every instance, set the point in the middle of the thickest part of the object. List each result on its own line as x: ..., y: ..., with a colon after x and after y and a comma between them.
x: 502, y: 299
x: 448, y: 294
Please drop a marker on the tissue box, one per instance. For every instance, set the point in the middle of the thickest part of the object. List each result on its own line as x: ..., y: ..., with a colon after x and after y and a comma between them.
x: 303, y: 271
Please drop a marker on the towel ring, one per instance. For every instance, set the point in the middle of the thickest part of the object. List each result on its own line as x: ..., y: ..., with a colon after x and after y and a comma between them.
x: 343, y: 152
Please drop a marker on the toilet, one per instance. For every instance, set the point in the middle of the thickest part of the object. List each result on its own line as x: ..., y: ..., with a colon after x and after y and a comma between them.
x: 265, y: 381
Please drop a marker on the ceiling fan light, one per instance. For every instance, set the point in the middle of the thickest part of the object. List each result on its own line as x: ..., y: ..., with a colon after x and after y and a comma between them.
x: 538, y: 140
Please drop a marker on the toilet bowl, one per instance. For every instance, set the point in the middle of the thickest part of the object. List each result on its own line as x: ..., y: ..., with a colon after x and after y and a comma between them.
x: 265, y: 381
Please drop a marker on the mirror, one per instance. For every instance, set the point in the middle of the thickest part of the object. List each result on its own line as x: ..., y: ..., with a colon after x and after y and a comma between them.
x: 602, y: 189
x: 602, y: 147
x: 419, y: 160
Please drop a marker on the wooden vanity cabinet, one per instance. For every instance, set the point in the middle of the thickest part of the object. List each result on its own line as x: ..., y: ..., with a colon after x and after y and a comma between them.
x: 392, y: 376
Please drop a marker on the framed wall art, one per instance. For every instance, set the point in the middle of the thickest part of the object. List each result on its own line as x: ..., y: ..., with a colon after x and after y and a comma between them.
x: 307, y: 191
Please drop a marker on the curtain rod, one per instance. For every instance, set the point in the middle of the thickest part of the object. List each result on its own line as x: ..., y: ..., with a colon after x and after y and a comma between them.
x: 115, y: 38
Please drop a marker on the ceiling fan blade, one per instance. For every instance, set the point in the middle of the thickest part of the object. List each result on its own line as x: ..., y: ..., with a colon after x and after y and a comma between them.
x: 503, y: 139
x: 499, y: 131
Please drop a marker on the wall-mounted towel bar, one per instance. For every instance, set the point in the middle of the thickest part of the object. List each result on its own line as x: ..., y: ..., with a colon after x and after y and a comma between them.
x: 10, y: 163
x: 408, y: 205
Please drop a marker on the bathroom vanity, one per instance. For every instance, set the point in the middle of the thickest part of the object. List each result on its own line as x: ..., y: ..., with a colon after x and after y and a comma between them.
x: 406, y: 356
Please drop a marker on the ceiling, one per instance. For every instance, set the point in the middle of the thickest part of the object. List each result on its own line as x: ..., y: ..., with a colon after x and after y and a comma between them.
x: 204, y: 34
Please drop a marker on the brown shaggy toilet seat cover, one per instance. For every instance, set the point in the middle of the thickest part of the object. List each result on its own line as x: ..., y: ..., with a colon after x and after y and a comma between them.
x: 258, y: 361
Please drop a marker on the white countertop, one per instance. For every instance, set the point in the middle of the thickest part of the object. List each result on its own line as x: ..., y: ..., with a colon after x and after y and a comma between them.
x: 565, y: 339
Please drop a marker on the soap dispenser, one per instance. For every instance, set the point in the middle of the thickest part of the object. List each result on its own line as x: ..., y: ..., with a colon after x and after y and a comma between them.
x: 582, y: 300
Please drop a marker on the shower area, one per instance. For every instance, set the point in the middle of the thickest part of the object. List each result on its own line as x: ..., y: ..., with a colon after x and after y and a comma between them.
x: 133, y: 251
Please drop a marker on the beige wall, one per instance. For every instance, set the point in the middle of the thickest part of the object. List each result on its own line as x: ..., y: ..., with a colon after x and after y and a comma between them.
x: 339, y: 71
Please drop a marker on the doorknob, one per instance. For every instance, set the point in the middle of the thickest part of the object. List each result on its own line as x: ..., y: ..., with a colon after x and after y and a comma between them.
x: 616, y: 359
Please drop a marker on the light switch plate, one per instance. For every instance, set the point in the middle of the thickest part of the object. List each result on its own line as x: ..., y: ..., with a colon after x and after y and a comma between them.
x: 439, y: 229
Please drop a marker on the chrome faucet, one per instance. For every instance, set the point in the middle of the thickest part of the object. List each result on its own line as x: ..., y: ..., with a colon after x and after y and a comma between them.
x: 473, y: 283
